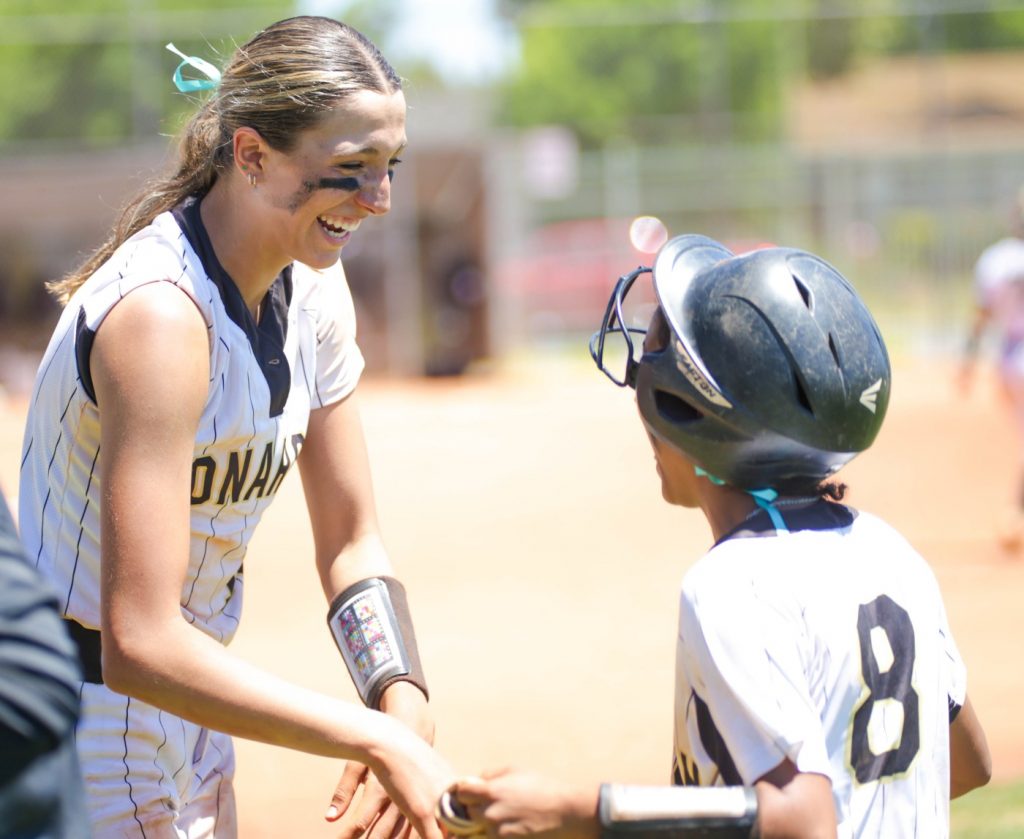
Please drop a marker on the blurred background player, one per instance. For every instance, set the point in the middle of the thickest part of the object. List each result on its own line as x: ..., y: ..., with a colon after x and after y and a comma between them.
x: 210, y: 343
x: 999, y: 309
x: 817, y: 680
x: 41, y: 791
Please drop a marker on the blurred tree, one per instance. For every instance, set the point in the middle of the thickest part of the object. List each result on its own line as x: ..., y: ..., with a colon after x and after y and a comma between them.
x: 707, y: 71
x: 832, y: 42
x: 97, y: 74
x: 964, y: 29
x: 615, y: 72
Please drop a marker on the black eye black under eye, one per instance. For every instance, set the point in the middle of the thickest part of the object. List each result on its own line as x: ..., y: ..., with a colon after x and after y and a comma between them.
x: 344, y: 184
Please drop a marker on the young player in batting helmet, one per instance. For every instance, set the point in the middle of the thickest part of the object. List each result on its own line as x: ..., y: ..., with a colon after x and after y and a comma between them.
x: 817, y: 682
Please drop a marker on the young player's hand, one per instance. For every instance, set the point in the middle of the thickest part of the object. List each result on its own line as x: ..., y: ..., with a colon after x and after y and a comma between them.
x: 511, y: 802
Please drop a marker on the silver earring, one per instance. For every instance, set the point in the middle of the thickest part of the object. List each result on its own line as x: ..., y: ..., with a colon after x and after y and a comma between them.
x: 252, y: 180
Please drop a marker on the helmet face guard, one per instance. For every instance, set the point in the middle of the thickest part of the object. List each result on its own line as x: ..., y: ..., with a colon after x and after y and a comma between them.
x: 689, y: 252
x: 774, y: 373
x: 614, y: 323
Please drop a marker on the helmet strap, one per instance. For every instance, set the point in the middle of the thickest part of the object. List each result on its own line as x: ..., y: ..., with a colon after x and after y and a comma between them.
x: 762, y: 497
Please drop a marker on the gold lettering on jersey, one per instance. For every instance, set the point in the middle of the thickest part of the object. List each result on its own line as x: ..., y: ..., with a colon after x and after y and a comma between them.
x: 259, y: 483
x: 203, y: 469
x: 236, y: 473
x: 286, y: 461
x: 232, y: 477
x: 686, y: 366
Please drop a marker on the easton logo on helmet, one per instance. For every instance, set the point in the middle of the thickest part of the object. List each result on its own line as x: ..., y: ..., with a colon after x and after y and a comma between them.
x: 685, y: 365
x: 869, y: 398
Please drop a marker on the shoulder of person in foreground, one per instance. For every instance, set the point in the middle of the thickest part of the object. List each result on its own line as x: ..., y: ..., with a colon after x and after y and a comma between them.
x: 38, y: 668
x: 41, y: 789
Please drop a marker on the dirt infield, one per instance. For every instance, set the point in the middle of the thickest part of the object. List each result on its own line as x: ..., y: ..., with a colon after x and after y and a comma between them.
x: 522, y: 510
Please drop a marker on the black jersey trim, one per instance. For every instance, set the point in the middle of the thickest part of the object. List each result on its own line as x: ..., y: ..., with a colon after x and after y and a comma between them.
x: 267, y: 338
x: 714, y: 744
x: 83, y: 350
x: 816, y: 515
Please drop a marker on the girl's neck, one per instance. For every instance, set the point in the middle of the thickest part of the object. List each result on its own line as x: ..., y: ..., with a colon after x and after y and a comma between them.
x: 238, y: 243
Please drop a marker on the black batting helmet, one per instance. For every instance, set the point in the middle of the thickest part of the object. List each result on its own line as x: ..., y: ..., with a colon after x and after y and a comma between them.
x: 774, y: 375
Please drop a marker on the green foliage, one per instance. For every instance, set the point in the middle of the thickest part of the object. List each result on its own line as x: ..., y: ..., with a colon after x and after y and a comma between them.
x: 710, y: 71
x: 993, y: 812
x: 95, y: 72
x: 99, y: 74
x: 976, y: 31
x: 831, y: 46
x: 986, y: 31
x: 612, y: 79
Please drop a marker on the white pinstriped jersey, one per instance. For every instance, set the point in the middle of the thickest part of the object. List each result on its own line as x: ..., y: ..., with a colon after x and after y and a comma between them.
x: 264, y: 379
x: 827, y: 645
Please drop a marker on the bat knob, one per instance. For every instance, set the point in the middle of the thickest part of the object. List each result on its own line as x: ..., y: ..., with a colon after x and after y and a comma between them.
x: 455, y: 817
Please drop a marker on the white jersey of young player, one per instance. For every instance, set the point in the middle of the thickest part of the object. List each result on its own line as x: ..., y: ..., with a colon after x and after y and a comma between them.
x: 827, y: 645
x: 999, y: 288
x: 144, y: 768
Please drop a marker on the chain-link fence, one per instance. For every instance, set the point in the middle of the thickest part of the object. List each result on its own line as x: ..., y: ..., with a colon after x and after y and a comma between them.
x: 905, y: 227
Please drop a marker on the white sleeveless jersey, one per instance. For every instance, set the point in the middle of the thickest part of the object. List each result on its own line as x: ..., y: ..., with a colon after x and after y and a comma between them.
x: 827, y: 645
x: 264, y: 379
x: 999, y: 288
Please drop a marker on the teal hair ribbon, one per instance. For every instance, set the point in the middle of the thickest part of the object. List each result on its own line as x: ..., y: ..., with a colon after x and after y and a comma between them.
x: 205, y: 67
x: 762, y: 497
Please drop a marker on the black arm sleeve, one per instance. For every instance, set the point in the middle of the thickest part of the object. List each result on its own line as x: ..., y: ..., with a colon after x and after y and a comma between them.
x: 39, y: 673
